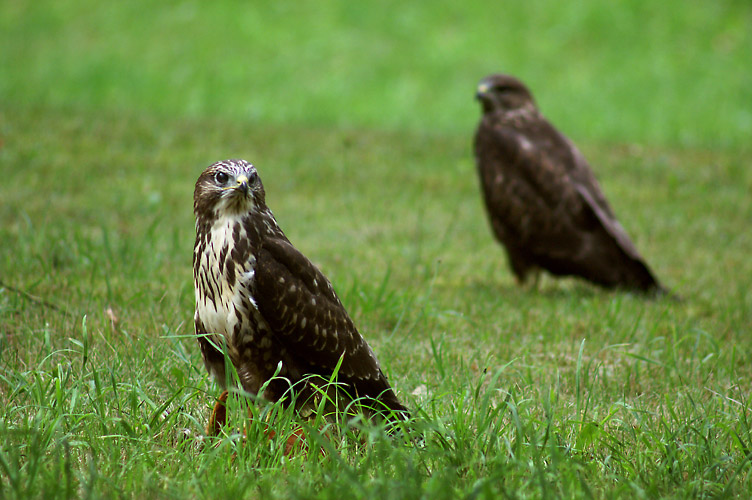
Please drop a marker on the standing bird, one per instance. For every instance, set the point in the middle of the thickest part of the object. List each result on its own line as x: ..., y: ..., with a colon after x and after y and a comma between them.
x: 543, y: 201
x: 268, y: 305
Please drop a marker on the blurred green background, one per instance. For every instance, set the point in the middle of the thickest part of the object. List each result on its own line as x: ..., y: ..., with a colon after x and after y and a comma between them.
x: 674, y: 72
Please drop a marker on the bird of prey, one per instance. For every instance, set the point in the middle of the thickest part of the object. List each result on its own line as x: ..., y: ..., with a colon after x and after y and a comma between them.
x: 543, y: 201
x: 268, y: 307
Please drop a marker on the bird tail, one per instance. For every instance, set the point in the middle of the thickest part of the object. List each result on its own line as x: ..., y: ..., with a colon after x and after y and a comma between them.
x: 640, y: 277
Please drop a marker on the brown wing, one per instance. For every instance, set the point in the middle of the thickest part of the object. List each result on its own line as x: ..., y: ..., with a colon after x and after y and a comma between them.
x: 632, y: 271
x: 590, y: 191
x: 552, y: 210
x: 302, y: 309
x: 528, y: 194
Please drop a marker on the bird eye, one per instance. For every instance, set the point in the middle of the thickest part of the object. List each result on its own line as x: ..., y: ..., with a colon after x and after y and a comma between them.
x: 221, y: 177
x: 252, y: 178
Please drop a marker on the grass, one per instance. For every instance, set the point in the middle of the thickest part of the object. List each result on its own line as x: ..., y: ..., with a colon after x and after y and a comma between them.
x: 664, y: 73
x: 359, y: 120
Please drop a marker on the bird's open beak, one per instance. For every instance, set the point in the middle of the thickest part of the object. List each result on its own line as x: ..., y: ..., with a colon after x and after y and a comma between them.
x: 242, y: 186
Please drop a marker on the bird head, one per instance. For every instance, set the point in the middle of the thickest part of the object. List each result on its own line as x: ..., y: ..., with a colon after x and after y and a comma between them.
x: 229, y: 187
x: 503, y: 93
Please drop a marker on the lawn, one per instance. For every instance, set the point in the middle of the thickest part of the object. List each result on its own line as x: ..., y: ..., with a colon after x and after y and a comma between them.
x: 359, y: 119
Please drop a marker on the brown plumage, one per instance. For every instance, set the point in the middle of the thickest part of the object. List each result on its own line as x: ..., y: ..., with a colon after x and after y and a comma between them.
x: 543, y: 201
x: 268, y: 305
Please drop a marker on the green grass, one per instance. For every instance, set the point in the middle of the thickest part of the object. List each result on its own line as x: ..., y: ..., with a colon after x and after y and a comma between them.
x: 360, y: 120
x: 642, y: 72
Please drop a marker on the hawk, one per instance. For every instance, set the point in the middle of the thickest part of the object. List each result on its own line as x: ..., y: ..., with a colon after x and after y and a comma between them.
x: 543, y: 201
x: 266, y: 304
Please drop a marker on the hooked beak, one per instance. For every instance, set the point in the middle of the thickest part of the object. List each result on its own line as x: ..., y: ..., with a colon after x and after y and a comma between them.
x: 242, y: 186
x: 482, y: 91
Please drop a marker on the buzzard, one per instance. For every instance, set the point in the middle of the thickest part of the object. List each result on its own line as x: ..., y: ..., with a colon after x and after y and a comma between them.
x: 268, y: 307
x: 543, y: 201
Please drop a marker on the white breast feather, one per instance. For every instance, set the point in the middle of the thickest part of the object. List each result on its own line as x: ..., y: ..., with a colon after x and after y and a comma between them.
x: 219, y: 317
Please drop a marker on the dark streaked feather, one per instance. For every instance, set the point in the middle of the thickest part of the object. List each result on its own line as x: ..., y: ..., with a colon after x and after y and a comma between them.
x: 300, y: 306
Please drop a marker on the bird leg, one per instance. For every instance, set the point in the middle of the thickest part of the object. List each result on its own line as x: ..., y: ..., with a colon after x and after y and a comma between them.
x: 536, y: 284
x: 218, y: 416
x: 296, y: 439
x: 218, y: 419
